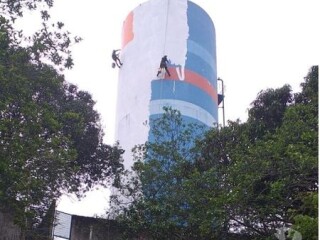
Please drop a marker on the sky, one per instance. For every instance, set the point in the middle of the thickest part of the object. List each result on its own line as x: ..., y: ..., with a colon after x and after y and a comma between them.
x: 260, y: 44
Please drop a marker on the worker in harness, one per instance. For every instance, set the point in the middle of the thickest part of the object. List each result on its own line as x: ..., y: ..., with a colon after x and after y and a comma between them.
x: 115, y: 57
x: 163, y: 65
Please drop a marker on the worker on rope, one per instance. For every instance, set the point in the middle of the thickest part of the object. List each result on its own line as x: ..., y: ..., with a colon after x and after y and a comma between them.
x: 163, y: 65
x: 115, y: 57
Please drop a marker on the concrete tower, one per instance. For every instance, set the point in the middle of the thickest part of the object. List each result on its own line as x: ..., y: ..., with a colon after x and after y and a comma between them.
x: 185, y: 33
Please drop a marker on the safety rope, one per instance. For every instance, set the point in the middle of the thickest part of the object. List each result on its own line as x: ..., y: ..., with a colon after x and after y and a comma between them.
x: 165, y: 42
x: 165, y: 33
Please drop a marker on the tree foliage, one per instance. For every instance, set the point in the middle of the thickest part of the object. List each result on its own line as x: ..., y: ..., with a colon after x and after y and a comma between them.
x: 51, y: 139
x: 161, y: 167
x: 50, y: 44
x: 243, y: 181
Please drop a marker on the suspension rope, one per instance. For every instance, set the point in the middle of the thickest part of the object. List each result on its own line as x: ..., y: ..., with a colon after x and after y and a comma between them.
x: 165, y: 33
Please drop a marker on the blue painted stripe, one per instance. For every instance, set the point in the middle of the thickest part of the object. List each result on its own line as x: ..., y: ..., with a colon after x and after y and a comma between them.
x: 197, y: 133
x: 198, y: 65
x: 201, y: 28
x: 181, y: 90
x: 198, y: 50
x: 185, y: 108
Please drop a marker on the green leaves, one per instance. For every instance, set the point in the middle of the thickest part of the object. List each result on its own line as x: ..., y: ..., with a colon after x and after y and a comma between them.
x: 50, y: 137
x: 50, y: 44
x: 244, y: 181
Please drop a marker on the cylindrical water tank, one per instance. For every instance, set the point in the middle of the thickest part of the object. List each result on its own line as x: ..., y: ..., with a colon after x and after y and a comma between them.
x: 185, y: 33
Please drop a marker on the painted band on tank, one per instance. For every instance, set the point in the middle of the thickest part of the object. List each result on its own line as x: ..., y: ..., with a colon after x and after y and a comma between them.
x: 197, y: 64
x: 185, y: 108
x: 198, y: 50
x: 127, y: 30
x: 186, y: 120
x: 201, y: 28
x: 175, y: 89
x: 195, y: 79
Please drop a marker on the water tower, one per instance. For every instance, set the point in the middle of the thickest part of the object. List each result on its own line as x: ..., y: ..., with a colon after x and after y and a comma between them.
x: 185, y: 33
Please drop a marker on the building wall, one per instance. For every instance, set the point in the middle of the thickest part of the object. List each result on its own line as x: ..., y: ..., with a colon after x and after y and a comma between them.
x: 87, y: 228
x: 185, y: 33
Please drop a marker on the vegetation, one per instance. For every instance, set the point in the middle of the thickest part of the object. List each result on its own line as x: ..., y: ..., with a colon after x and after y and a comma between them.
x: 50, y: 44
x: 243, y: 181
x: 51, y: 139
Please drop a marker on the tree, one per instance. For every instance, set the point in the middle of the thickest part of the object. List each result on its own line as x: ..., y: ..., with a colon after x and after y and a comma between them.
x: 267, y: 111
x: 243, y: 181
x: 158, y: 201
x: 50, y: 44
x: 51, y: 139
x: 272, y: 162
x: 305, y: 216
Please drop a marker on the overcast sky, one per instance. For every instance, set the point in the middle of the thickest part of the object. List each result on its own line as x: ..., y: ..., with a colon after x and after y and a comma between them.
x: 260, y: 44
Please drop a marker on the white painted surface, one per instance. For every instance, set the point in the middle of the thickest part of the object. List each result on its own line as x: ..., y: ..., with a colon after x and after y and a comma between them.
x: 156, y: 25
x: 177, y: 34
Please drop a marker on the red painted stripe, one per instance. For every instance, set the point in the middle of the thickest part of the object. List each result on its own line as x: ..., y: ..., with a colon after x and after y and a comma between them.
x: 194, y: 79
x: 127, y: 30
